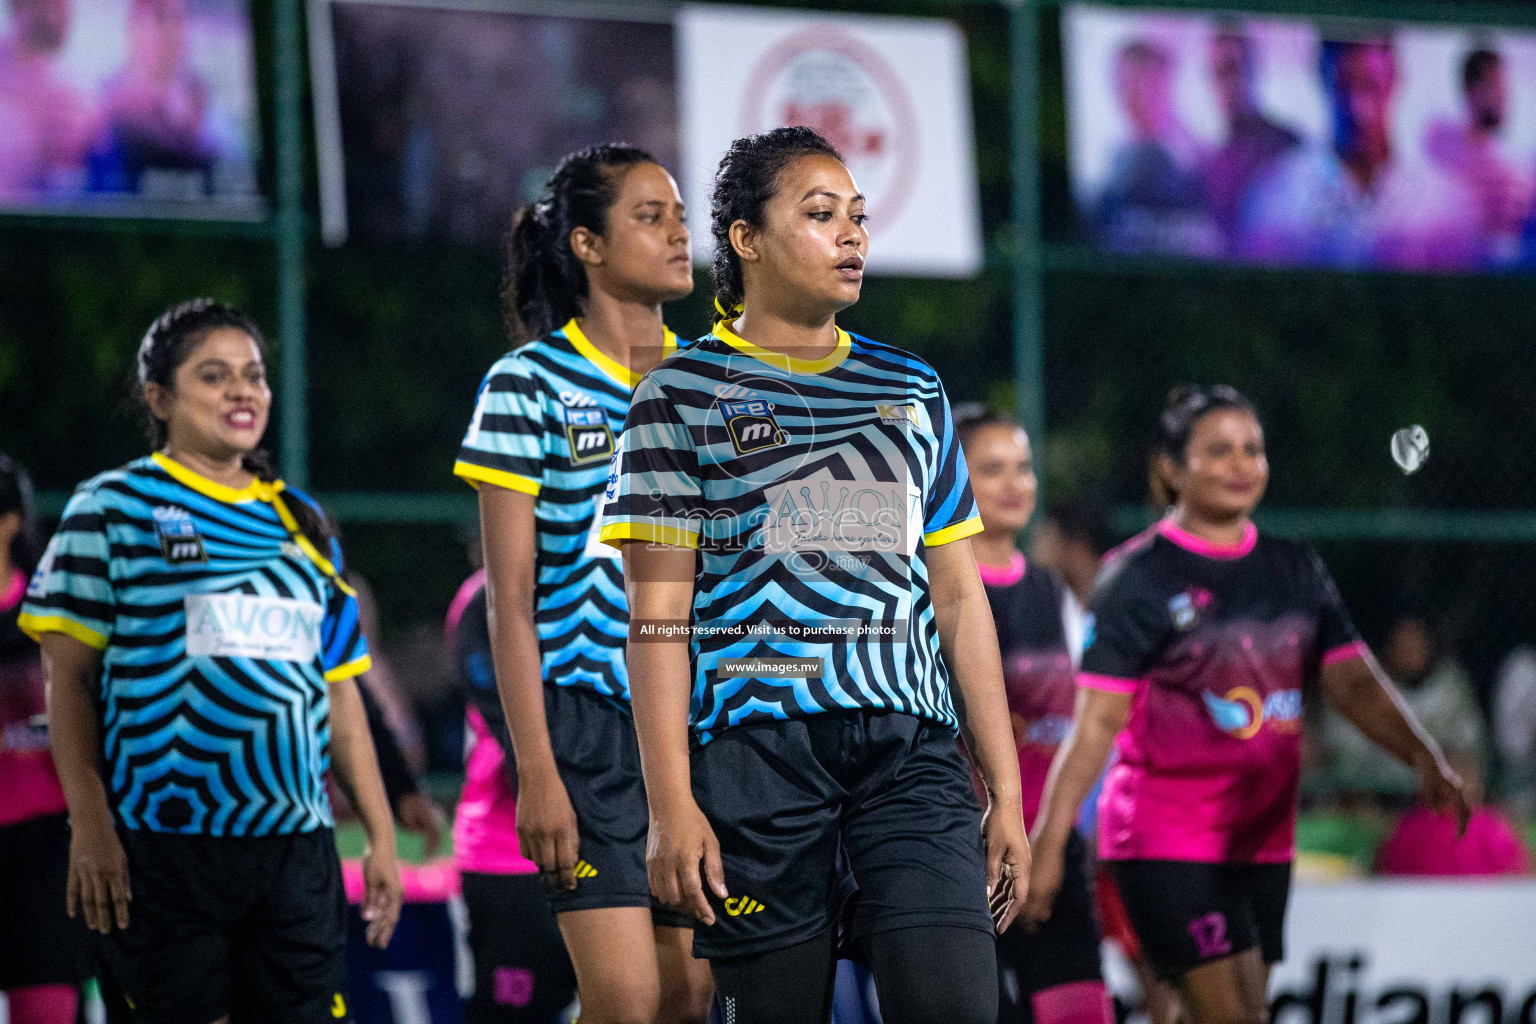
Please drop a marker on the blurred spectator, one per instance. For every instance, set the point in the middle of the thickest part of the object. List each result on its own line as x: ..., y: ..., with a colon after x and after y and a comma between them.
x: 156, y: 111
x: 1071, y: 538
x: 1254, y: 142
x: 1360, y: 201
x: 1473, y: 151
x: 1155, y: 198
x: 1441, y: 696
x: 1514, y: 729
x: 1425, y: 843
x: 45, y: 125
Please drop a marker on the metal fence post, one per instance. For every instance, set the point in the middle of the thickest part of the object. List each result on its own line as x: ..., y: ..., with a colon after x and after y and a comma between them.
x: 1028, y: 297
x: 289, y: 231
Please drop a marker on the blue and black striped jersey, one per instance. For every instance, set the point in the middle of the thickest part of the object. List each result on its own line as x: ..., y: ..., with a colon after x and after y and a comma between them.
x: 545, y: 423
x: 812, y: 490
x: 219, y: 626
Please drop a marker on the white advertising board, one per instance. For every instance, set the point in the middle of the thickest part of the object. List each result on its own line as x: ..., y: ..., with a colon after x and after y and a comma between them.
x: 891, y: 94
x: 1382, y: 951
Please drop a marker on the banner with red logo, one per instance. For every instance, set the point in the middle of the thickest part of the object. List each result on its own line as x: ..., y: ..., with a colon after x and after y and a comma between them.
x: 890, y: 93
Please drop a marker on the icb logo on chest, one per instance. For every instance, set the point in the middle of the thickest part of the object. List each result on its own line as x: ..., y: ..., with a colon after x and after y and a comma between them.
x: 591, y: 440
x: 177, y: 531
x: 246, y: 626
x: 752, y: 426
x: 1241, y: 712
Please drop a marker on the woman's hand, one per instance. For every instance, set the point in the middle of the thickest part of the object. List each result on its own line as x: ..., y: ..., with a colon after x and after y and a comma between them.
x: 546, y: 825
x: 1045, y: 877
x: 382, y: 895
x: 98, y: 877
x: 1446, y: 792
x: 678, y: 841
x: 1008, y: 867
x: 420, y: 814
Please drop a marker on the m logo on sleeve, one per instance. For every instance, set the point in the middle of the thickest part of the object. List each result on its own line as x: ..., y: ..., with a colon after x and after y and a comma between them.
x: 752, y: 426
x: 587, y: 430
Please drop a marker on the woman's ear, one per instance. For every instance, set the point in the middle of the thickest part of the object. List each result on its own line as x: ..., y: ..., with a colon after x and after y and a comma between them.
x: 744, y: 241
x: 1171, y: 474
x: 587, y: 245
x: 159, y: 399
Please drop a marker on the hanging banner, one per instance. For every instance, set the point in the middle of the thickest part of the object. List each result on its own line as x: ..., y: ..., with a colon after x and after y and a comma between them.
x: 1301, y: 142
x: 891, y: 94
x: 129, y: 108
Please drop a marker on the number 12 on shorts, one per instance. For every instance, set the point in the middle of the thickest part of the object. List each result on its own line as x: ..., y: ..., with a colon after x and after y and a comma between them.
x: 1210, y: 934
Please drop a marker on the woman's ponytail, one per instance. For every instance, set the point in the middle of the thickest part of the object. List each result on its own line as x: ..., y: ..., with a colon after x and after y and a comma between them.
x: 545, y: 284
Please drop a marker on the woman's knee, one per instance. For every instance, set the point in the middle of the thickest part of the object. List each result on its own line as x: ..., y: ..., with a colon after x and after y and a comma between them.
x: 941, y: 975
x: 687, y: 1004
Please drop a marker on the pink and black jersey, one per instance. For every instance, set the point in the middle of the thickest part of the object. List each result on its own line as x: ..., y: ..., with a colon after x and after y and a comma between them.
x: 1037, y: 667
x: 485, y: 819
x: 26, y: 763
x: 1216, y: 644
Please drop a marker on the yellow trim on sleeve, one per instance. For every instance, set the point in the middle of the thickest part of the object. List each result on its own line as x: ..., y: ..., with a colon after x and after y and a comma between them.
x: 476, y: 475
x: 793, y: 364
x: 355, y: 667
x: 613, y: 533
x: 36, y: 625
x: 611, y: 367
x: 957, y: 531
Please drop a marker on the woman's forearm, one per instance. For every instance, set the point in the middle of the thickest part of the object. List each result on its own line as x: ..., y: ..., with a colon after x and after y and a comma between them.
x: 1078, y: 763
x: 357, y: 766
x: 70, y: 673
x: 968, y: 642
x: 658, y: 581
x: 506, y: 519
x: 1362, y: 693
x: 659, y: 693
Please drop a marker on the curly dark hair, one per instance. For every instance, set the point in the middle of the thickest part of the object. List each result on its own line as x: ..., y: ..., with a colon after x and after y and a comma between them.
x: 747, y: 179
x: 169, y: 342
x: 970, y: 417
x: 1185, y: 406
x: 545, y: 284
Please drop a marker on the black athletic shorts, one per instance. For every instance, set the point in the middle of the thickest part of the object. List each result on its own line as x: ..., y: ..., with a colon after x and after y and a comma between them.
x: 250, y: 927
x: 1065, y: 947
x: 522, y: 972
x: 39, y: 943
x: 599, y: 762
x: 810, y: 809
x: 1188, y: 913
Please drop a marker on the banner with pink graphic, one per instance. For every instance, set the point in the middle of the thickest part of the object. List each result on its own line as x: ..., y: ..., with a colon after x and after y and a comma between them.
x: 1349, y: 145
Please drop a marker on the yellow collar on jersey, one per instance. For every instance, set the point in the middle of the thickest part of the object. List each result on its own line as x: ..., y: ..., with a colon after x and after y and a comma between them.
x: 611, y: 367
x: 256, y: 490
x: 831, y: 361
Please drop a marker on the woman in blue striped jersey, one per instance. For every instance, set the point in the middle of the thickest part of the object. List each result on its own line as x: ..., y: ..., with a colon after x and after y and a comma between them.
x: 590, y: 264
x: 200, y: 649
x: 798, y: 496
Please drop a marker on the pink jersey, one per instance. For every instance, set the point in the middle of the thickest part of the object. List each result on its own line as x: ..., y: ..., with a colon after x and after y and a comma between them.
x: 485, y: 821
x: 27, y: 776
x: 1037, y: 668
x: 1216, y: 644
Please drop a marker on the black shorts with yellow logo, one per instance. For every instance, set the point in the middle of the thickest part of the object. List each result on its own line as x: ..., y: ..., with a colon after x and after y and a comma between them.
x: 599, y: 761
x: 859, y: 820
x: 249, y: 926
